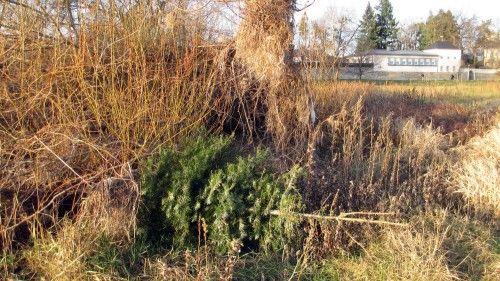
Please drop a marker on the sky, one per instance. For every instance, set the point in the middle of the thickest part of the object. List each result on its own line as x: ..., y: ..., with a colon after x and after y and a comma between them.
x: 407, y: 11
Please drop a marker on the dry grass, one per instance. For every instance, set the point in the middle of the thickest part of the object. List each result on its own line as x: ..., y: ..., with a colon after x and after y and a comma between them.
x: 65, y: 255
x: 363, y: 165
x: 477, y: 175
x: 384, y: 158
x: 437, y: 246
x: 471, y: 247
x: 462, y: 109
x: 265, y: 37
x: 105, y: 215
x: 375, y: 153
x: 452, y: 91
x: 402, y: 255
x: 79, y: 116
x: 264, y: 47
x: 61, y: 257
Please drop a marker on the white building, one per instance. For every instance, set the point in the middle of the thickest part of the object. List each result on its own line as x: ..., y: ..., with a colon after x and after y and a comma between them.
x: 450, y: 57
x: 440, y: 57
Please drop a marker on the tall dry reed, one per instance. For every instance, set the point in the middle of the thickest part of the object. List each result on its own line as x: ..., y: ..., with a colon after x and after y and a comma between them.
x: 79, y: 101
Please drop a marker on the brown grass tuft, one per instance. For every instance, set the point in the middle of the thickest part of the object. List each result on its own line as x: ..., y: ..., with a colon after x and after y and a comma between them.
x: 437, y: 246
x: 265, y: 37
x: 477, y: 174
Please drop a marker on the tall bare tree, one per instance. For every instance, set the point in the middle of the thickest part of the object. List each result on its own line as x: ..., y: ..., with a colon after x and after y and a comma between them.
x: 409, y: 37
x: 304, y: 32
x: 334, y: 36
x: 474, y: 35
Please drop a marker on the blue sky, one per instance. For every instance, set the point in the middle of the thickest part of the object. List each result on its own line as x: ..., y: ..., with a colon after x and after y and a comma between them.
x: 411, y: 10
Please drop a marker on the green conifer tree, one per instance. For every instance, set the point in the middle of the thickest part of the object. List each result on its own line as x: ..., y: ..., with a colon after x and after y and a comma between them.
x: 367, y: 38
x: 386, y: 25
x: 440, y: 27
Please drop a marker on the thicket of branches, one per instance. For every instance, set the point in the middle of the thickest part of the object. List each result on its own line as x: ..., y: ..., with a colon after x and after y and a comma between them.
x: 91, y: 88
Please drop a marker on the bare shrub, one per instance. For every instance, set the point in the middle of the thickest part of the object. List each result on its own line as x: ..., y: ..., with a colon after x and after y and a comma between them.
x: 77, y: 103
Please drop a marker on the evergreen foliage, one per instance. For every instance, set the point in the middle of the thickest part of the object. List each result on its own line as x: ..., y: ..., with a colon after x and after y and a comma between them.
x: 239, y: 198
x: 367, y: 38
x: 386, y: 25
x: 170, y: 186
x: 440, y: 27
x: 199, y: 185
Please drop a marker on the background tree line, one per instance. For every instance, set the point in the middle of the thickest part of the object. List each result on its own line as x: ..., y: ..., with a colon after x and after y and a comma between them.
x: 338, y: 33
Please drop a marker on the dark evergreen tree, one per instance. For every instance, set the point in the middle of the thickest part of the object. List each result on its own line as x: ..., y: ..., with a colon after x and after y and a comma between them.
x: 367, y: 38
x: 386, y: 25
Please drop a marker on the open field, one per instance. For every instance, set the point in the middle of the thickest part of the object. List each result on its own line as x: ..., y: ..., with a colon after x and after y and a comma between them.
x: 139, y: 153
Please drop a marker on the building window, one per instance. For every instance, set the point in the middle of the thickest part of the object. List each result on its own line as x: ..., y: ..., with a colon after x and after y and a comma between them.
x: 421, y: 61
x: 396, y: 61
x: 441, y: 68
x: 427, y: 61
x: 403, y: 61
x: 453, y: 69
x: 410, y: 62
x: 434, y: 62
x: 391, y: 61
x: 447, y: 68
x: 415, y: 61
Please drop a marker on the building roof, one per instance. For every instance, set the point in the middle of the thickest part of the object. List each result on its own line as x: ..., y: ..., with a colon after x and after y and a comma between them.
x: 443, y: 45
x: 380, y: 52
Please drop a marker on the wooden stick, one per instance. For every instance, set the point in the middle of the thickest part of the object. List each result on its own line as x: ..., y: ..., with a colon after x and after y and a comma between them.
x: 341, y: 217
x: 366, y: 214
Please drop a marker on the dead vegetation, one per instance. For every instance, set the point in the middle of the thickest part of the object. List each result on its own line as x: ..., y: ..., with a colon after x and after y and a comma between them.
x: 81, y: 111
x: 476, y: 175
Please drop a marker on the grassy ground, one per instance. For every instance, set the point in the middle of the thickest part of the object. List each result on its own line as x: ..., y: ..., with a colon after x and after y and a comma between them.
x: 461, y: 92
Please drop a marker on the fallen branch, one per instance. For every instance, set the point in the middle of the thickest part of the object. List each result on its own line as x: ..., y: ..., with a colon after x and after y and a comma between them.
x: 342, y: 217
